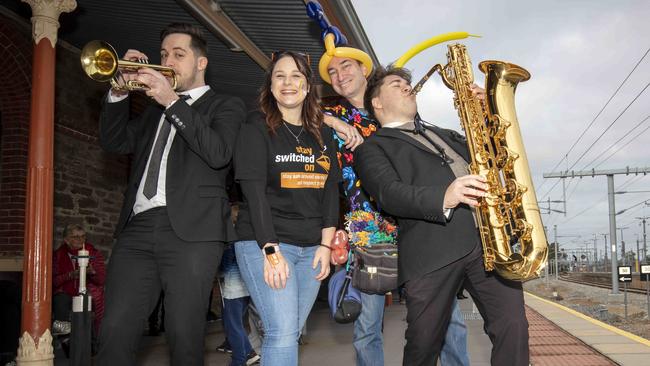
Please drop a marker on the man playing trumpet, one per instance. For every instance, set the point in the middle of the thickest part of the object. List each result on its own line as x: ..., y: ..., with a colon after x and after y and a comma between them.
x: 175, y: 216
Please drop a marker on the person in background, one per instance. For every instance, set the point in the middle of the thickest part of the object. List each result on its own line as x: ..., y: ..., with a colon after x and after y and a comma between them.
x: 236, y: 300
x: 65, y: 278
x: 285, y: 162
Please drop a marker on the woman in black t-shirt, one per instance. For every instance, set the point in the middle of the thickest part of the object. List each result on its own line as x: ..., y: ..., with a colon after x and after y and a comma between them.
x: 285, y: 162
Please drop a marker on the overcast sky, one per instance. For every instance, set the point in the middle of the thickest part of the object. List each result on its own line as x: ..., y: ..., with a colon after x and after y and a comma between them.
x: 578, y: 53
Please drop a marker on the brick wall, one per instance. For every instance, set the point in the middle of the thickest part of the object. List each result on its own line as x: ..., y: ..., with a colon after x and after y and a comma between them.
x: 88, y: 183
x: 15, y: 60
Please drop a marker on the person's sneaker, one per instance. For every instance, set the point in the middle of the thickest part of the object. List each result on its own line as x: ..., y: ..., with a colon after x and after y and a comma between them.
x: 61, y: 327
x: 252, y: 359
x: 224, y: 347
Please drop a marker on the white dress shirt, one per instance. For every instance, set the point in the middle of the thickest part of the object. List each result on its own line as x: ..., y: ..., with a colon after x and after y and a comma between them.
x: 142, y: 203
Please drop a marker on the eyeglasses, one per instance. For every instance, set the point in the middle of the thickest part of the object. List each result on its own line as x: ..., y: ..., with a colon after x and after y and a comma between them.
x: 275, y: 55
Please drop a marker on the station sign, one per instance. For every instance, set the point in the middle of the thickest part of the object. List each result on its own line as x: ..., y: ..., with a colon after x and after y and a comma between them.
x: 624, y: 273
x: 645, y: 272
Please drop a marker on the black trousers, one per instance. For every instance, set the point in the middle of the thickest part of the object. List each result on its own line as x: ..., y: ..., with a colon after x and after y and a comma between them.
x: 149, y: 257
x: 500, y: 302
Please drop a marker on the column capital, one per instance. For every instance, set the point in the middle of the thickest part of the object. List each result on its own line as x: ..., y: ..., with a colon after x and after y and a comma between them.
x: 45, y: 17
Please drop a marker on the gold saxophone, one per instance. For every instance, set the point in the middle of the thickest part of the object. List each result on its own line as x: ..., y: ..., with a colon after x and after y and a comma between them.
x: 508, y: 218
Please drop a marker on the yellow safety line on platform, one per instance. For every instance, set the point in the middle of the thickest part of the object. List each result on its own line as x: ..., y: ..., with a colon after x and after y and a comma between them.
x: 594, y: 321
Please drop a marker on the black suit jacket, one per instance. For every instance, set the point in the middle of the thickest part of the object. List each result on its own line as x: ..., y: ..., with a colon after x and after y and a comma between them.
x: 409, y: 181
x: 197, y: 166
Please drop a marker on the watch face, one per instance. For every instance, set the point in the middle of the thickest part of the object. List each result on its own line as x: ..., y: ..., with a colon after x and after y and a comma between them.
x: 269, y: 250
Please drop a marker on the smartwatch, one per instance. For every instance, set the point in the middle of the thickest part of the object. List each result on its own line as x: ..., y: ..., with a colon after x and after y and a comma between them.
x: 271, y: 255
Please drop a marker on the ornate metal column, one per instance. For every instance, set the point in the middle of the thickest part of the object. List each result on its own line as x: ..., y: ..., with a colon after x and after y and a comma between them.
x: 35, y: 347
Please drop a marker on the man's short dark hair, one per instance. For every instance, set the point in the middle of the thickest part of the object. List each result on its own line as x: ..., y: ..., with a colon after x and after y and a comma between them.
x: 198, y: 42
x: 376, y: 80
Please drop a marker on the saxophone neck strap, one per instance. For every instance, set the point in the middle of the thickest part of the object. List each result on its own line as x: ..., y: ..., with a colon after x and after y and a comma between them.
x: 419, y: 129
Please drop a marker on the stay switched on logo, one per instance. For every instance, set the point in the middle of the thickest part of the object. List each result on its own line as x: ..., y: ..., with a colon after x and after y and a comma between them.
x: 324, y: 160
x: 307, y: 178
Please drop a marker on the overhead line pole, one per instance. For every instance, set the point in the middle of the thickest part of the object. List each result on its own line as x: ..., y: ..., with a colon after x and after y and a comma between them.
x: 623, y: 245
x: 605, y: 253
x: 638, y: 260
x: 556, y: 248
x: 611, y: 198
x: 645, y: 253
x: 594, y: 269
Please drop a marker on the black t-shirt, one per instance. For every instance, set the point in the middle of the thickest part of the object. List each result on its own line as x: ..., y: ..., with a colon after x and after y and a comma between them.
x: 290, y: 184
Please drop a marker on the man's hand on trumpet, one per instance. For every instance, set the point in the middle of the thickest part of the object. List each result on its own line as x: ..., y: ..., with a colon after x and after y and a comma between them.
x: 159, y: 87
x: 125, y: 75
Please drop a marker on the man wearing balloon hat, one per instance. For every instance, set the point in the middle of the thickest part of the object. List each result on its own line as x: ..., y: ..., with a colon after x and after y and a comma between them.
x: 346, y: 69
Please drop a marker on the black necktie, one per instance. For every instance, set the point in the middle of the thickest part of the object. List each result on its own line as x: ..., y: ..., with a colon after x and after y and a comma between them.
x: 151, y: 183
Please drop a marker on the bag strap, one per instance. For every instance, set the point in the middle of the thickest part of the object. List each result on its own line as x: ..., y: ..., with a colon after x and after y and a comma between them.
x: 349, y: 261
x: 344, y: 290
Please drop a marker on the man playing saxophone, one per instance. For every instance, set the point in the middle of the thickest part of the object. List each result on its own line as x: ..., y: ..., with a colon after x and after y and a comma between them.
x: 418, y: 174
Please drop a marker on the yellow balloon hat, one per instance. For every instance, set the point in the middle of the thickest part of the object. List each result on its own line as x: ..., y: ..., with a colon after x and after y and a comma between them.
x: 429, y: 43
x: 332, y: 51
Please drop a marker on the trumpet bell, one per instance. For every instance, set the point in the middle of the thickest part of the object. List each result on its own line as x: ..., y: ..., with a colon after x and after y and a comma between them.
x: 99, y: 61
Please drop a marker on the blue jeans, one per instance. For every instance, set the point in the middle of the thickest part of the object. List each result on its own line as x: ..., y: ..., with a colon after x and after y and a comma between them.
x: 454, y: 348
x: 235, y: 302
x: 283, y: 311
x: 368, y: 339
x: 233, y: 313
x: 233, y: 285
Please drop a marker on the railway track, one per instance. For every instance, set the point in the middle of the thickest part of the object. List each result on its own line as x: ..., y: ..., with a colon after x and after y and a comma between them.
x: 601, y: 285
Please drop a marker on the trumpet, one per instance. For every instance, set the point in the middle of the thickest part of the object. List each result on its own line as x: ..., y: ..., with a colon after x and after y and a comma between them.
x: 100, y: 62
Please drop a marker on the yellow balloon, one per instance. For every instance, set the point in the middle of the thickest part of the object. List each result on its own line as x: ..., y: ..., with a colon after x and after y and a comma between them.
x: 332, y: 51
x: 428, y: 43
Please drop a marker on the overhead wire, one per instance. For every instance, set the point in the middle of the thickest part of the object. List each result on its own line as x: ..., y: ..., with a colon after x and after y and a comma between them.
x: 566, y: 155
x: 568, y: 196
x: 577, y: 183
x: 627, y: 143
x: 635, y: 205
x: 610, y: 125
x: 616, y: 142
x: 630, y: 181
x: 583, y: 211
x: 594, y: 143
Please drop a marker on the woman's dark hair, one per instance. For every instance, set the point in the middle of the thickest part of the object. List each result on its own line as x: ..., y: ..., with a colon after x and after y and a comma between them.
x: 376, y: 80
x: 198, y: 42
x: 312, y: 115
